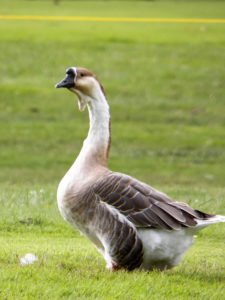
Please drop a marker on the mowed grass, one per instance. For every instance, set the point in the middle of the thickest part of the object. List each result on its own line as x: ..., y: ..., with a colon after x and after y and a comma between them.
x: 165, y: 86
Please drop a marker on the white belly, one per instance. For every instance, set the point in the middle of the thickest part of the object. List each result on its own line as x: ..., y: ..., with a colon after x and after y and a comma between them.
x: 164, y: 249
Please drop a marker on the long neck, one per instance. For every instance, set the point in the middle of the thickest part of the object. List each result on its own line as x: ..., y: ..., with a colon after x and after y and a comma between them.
x: 96, y: 146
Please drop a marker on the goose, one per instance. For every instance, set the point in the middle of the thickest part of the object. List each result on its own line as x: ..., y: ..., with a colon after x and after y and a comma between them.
x: 133, y: 225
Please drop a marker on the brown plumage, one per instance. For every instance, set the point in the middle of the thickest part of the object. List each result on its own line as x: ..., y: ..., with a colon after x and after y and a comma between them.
x: 143, y: 205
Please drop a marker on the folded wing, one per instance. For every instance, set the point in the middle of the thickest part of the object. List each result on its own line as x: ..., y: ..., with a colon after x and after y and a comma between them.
x: 143, y: 205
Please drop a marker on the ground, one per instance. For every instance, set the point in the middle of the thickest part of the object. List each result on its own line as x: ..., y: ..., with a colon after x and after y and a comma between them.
x: 165, y: 86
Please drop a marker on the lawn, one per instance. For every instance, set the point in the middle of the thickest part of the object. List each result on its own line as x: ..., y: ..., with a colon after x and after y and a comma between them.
x: 165, y: 86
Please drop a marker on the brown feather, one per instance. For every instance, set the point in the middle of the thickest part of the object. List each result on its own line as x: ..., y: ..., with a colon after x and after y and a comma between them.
x: 143, y: 205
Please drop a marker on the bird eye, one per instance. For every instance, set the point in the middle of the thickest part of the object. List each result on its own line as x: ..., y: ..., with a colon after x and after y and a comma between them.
x: 82, y: 74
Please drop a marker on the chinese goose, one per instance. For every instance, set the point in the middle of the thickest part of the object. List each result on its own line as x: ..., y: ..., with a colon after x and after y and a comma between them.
x: 132, y: 224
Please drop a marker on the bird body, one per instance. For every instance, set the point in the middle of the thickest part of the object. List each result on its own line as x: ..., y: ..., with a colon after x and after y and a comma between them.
x: 132, y: 224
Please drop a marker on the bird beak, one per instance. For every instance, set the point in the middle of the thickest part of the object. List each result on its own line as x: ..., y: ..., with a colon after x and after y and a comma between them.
x: 67, y: 82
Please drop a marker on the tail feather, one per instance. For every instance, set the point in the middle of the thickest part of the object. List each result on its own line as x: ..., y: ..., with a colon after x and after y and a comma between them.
x: 211, y: 220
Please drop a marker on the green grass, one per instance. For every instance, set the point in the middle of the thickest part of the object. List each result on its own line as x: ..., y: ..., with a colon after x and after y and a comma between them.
x: 165, y: 86
x: 69, y: 267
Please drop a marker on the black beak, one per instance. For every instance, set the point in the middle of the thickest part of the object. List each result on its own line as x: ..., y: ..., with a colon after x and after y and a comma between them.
x: 67, y: 82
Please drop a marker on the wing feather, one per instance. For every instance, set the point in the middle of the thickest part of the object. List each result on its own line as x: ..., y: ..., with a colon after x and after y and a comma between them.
x: 143, y: 205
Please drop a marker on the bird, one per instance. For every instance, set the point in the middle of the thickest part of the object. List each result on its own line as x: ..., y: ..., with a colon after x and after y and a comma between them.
x: 133, y: 225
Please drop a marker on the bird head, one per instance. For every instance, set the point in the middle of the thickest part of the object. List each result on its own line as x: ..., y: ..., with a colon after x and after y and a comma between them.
x: 83, y: 83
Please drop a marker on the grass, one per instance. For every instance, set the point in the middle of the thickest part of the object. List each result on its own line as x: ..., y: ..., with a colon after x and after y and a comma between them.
x: 165, y: 85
